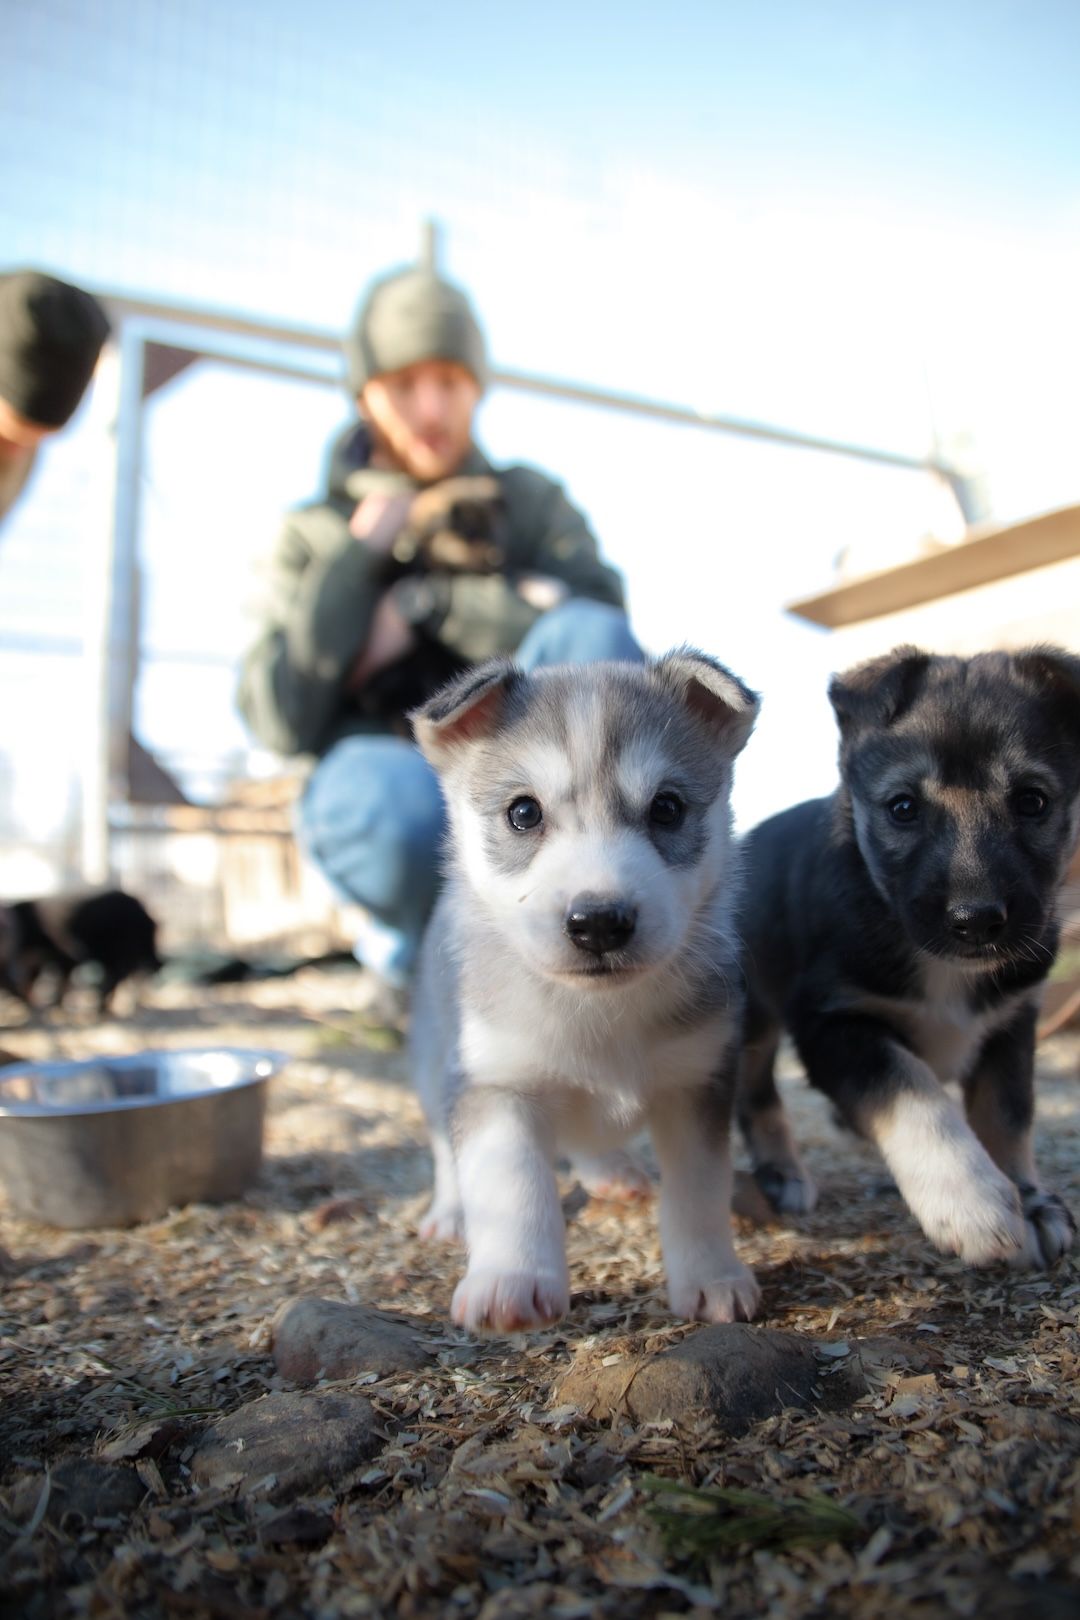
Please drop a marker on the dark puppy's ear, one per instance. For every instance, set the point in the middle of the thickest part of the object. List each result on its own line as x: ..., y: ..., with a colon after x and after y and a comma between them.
x: 708, y: 689
x: 878, y: 692
x: 465, y: 710
x: 1055, y: 674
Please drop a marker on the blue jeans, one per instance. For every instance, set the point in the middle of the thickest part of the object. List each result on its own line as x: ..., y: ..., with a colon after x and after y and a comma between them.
x: 372, y: 816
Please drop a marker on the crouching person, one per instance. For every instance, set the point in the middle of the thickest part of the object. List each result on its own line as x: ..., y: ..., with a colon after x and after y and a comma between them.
x: 422, y: 560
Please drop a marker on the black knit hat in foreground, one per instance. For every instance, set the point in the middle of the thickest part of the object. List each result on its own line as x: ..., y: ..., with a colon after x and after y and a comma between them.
x: 51, y: 335
x: 409, y: 316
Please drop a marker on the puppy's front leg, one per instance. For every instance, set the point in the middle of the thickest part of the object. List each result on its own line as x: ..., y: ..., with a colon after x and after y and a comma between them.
x: 517, y: 1276
x: 1000, y: 1100
x: 948, y: 1180
x: 778, y: 1169
x: 691, y: 1133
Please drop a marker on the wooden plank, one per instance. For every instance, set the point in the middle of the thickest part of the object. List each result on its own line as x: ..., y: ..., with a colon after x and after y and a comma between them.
x: 990, y: 553
x: 246, y: 821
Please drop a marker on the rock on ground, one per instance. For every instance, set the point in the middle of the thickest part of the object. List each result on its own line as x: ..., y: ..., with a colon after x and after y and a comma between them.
x: 325, y: 1338
x: 737, y: 1373
x: 288, y: 1443
x: 79, y: 1491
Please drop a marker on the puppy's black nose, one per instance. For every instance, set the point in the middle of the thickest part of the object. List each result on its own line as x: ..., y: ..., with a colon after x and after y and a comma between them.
x: 977, y: 922
x: 598, y: 925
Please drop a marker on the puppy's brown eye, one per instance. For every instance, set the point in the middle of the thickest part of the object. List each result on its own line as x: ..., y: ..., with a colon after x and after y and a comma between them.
x: 666, y: 810
x: 904, y: 809
x: 1031, y: 804
x: 525, y: 815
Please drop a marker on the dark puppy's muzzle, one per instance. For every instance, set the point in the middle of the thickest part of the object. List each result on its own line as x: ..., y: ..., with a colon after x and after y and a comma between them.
x: 598, y: 924
x: 976, y: 922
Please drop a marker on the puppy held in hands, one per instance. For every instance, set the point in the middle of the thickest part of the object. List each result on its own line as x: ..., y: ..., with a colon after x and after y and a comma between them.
x: 579, y: 979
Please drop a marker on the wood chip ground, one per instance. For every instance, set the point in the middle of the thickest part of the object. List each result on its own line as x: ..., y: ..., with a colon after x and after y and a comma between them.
x: 958, y: 1469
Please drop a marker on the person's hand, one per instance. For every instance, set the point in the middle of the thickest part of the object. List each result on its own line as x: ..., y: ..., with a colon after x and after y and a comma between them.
x: 390, y: 638
x: 541, y: 591
x: 379, y: 519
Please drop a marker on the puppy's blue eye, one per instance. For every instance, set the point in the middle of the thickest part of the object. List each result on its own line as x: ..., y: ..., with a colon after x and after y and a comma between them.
x: 904, y: 809
x: 666, y: 810
x: 1031, y: 804
x: 525, y: 815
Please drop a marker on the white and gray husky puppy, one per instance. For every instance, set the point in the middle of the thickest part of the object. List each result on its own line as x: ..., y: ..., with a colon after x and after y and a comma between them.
x: 579, y: 979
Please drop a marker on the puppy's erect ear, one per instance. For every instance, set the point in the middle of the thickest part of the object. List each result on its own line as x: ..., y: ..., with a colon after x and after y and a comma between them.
x: 708, y: 689
x: 1054, y: 673
x: 878, y: 692
x: 464, y: 711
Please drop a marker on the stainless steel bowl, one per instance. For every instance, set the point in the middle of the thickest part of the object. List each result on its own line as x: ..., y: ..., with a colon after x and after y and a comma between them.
x: 114, y: 1140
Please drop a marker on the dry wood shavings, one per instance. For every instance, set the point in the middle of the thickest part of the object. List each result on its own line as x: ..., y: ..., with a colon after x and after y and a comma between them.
x: 943, y: 1414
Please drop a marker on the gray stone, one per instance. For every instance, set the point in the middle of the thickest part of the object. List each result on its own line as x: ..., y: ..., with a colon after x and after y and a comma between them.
x: 288, y: 1443
x: 323, y: 1338
x: 886, y: 1353
x: 737, y: 1373
x: 80, y: 1491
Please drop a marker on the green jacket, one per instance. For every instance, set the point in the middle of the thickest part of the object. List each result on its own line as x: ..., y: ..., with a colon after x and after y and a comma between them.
x: 324, y: 584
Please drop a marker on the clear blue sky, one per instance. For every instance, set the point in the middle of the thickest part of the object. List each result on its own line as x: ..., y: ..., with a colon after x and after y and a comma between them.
x: 856, y: 220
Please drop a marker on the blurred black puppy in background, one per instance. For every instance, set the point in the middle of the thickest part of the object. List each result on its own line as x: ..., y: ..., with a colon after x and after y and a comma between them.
x: 112, y: 930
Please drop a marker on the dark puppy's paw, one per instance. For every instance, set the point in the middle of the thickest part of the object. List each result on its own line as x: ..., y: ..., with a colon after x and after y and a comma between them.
x: 1051, y: 1224
x: 789, y: 1189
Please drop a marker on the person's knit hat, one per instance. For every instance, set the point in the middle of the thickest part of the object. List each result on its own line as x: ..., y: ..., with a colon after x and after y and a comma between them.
x: 51, y: 335
x: 409, y: 316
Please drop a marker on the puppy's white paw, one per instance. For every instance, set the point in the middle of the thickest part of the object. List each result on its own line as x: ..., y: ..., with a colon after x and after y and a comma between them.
x: 443, y: 1223
x: 509, y: 1301
x: 790, y: 1188
x: 1050, y: 1229
x: 978, y: 1218
x: 615, y: 1176
x: 962, y: 1201
x: 731, y: 1295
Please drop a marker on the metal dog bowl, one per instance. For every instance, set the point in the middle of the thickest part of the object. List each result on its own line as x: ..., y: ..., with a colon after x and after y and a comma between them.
x: 114, y: 1140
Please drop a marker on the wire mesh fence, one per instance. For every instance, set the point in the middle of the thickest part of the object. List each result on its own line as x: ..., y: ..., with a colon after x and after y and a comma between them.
x: 258, y: 161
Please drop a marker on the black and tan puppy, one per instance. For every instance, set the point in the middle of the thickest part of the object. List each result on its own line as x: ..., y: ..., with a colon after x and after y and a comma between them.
x: 113, y: 930
x: 902, y: 930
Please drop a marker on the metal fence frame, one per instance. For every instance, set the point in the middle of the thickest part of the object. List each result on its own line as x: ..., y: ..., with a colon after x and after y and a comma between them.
x: 156, y: 341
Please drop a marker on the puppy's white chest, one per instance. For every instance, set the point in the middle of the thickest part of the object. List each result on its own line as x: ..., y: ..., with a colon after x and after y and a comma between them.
x: 947, y: 1030
x: 948, y: 1037
x: 599, y: 1080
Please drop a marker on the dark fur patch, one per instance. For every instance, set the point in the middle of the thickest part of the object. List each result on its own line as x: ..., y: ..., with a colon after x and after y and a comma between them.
x: 715, y: 1102
x: 845, y: 910
x: 111, y: 930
